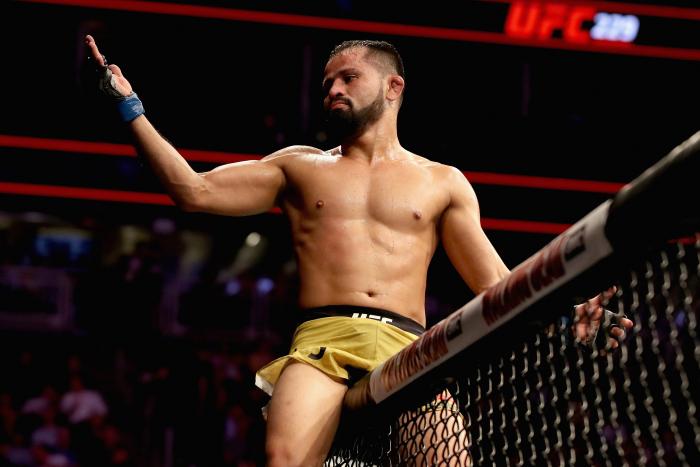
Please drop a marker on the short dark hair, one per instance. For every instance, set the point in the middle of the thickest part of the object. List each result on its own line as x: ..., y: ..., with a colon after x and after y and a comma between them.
x: 385, y: 51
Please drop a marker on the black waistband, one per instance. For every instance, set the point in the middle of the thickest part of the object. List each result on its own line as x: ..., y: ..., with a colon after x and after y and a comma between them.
x: 352, y: 311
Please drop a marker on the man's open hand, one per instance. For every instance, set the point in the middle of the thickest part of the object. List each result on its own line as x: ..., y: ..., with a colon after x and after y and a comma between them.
x: 113, y: 81
x: 589, y: 316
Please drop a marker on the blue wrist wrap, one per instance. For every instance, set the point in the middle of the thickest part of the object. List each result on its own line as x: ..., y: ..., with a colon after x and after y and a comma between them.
x: 130, y: 107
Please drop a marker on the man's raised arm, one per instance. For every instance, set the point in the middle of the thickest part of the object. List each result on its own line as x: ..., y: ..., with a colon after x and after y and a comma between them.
x: 238, y: 189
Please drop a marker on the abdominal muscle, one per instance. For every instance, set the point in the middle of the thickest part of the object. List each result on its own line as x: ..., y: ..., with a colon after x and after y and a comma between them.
x: 365, y: 263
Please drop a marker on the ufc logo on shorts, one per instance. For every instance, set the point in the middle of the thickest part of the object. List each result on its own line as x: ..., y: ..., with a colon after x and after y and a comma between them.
x: 375, y: 317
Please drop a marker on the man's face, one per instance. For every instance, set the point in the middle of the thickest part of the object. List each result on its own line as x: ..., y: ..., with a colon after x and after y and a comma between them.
x: 353, y: 93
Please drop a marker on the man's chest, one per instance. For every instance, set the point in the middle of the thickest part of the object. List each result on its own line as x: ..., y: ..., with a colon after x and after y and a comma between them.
x: 398, y: 195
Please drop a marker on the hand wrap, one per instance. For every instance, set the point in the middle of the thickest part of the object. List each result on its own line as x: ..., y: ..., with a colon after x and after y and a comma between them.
x: 129, y: 107
x: 608, y: 321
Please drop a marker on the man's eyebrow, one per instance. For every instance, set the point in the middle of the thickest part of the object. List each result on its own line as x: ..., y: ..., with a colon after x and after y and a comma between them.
x: 342, y: 71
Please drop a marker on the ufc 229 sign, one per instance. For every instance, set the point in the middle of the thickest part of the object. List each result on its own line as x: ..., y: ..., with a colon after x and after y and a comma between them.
x: 577, y: 24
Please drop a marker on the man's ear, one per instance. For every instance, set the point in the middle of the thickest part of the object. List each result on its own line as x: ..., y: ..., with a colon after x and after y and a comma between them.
x: 396, y: 85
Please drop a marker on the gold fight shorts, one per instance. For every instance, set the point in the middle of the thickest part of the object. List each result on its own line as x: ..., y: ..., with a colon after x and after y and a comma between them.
x: 345, y: 342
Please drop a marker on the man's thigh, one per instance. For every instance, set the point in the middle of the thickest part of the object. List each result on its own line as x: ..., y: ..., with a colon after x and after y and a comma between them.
x: 303, y: 416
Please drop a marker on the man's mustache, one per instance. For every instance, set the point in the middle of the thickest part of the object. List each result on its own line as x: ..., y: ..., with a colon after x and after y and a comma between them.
x: 341, y: 99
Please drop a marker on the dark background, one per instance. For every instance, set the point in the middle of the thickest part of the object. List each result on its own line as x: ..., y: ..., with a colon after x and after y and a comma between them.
x: 245, y: 87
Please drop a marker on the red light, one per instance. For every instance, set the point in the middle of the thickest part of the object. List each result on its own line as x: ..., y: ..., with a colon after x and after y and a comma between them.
x: 522, y: 19
x: 543, y: 21
x: 574, y: 31
x: 553, y: 19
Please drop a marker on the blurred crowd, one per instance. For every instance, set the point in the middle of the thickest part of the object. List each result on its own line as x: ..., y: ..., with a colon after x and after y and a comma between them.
x: 136, y: 344
x: 67, y: 402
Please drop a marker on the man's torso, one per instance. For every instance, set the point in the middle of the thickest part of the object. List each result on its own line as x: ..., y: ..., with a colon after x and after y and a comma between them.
x: 364, y: 233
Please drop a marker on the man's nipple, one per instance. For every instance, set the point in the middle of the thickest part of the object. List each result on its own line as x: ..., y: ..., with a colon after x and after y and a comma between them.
x: 417, y: 215
x: 319, y: 204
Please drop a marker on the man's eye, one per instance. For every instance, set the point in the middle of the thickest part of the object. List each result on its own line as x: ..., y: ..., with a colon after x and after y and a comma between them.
x: 349, y: 78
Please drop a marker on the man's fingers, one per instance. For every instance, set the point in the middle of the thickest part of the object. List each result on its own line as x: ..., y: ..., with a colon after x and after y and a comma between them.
x: 617, y: 335
x: 626, y: 323
x: 604, y: 296
x: 588, y: 311
x: 610, y: 293
x: 94, y: 51
x: 617, y: 332
x: 108, y: 79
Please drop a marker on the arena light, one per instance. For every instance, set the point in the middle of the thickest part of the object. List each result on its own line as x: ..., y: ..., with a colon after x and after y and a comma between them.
x: 660, y: 11
x: 93, y: 194
x: 196, y: 155
x: 548, y: 183
x: 511, y: 225
x: 544, y: 20
x: 113, y: 149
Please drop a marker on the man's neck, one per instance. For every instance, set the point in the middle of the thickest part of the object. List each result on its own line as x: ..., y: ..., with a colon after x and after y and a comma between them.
x: 375, y: 144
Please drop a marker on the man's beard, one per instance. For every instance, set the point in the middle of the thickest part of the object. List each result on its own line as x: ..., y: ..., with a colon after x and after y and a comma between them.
x: 344, y: 123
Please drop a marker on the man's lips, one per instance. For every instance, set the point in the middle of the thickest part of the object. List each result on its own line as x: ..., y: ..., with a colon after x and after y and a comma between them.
x: 337, y: 104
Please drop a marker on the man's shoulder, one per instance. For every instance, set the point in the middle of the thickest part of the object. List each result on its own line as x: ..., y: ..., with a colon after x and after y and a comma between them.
x: 448, y: 178
x: 297, y: 152
x: 440, y: 171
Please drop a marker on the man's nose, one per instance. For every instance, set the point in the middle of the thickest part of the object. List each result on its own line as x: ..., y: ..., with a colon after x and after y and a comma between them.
x: 336, y: 90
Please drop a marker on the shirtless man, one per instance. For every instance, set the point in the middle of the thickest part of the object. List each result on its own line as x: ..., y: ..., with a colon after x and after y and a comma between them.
x: 365, y: 216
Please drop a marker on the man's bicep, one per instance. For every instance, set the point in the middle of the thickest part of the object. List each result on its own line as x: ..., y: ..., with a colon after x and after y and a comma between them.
x: 465, y: 242
x: 241, y: 188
